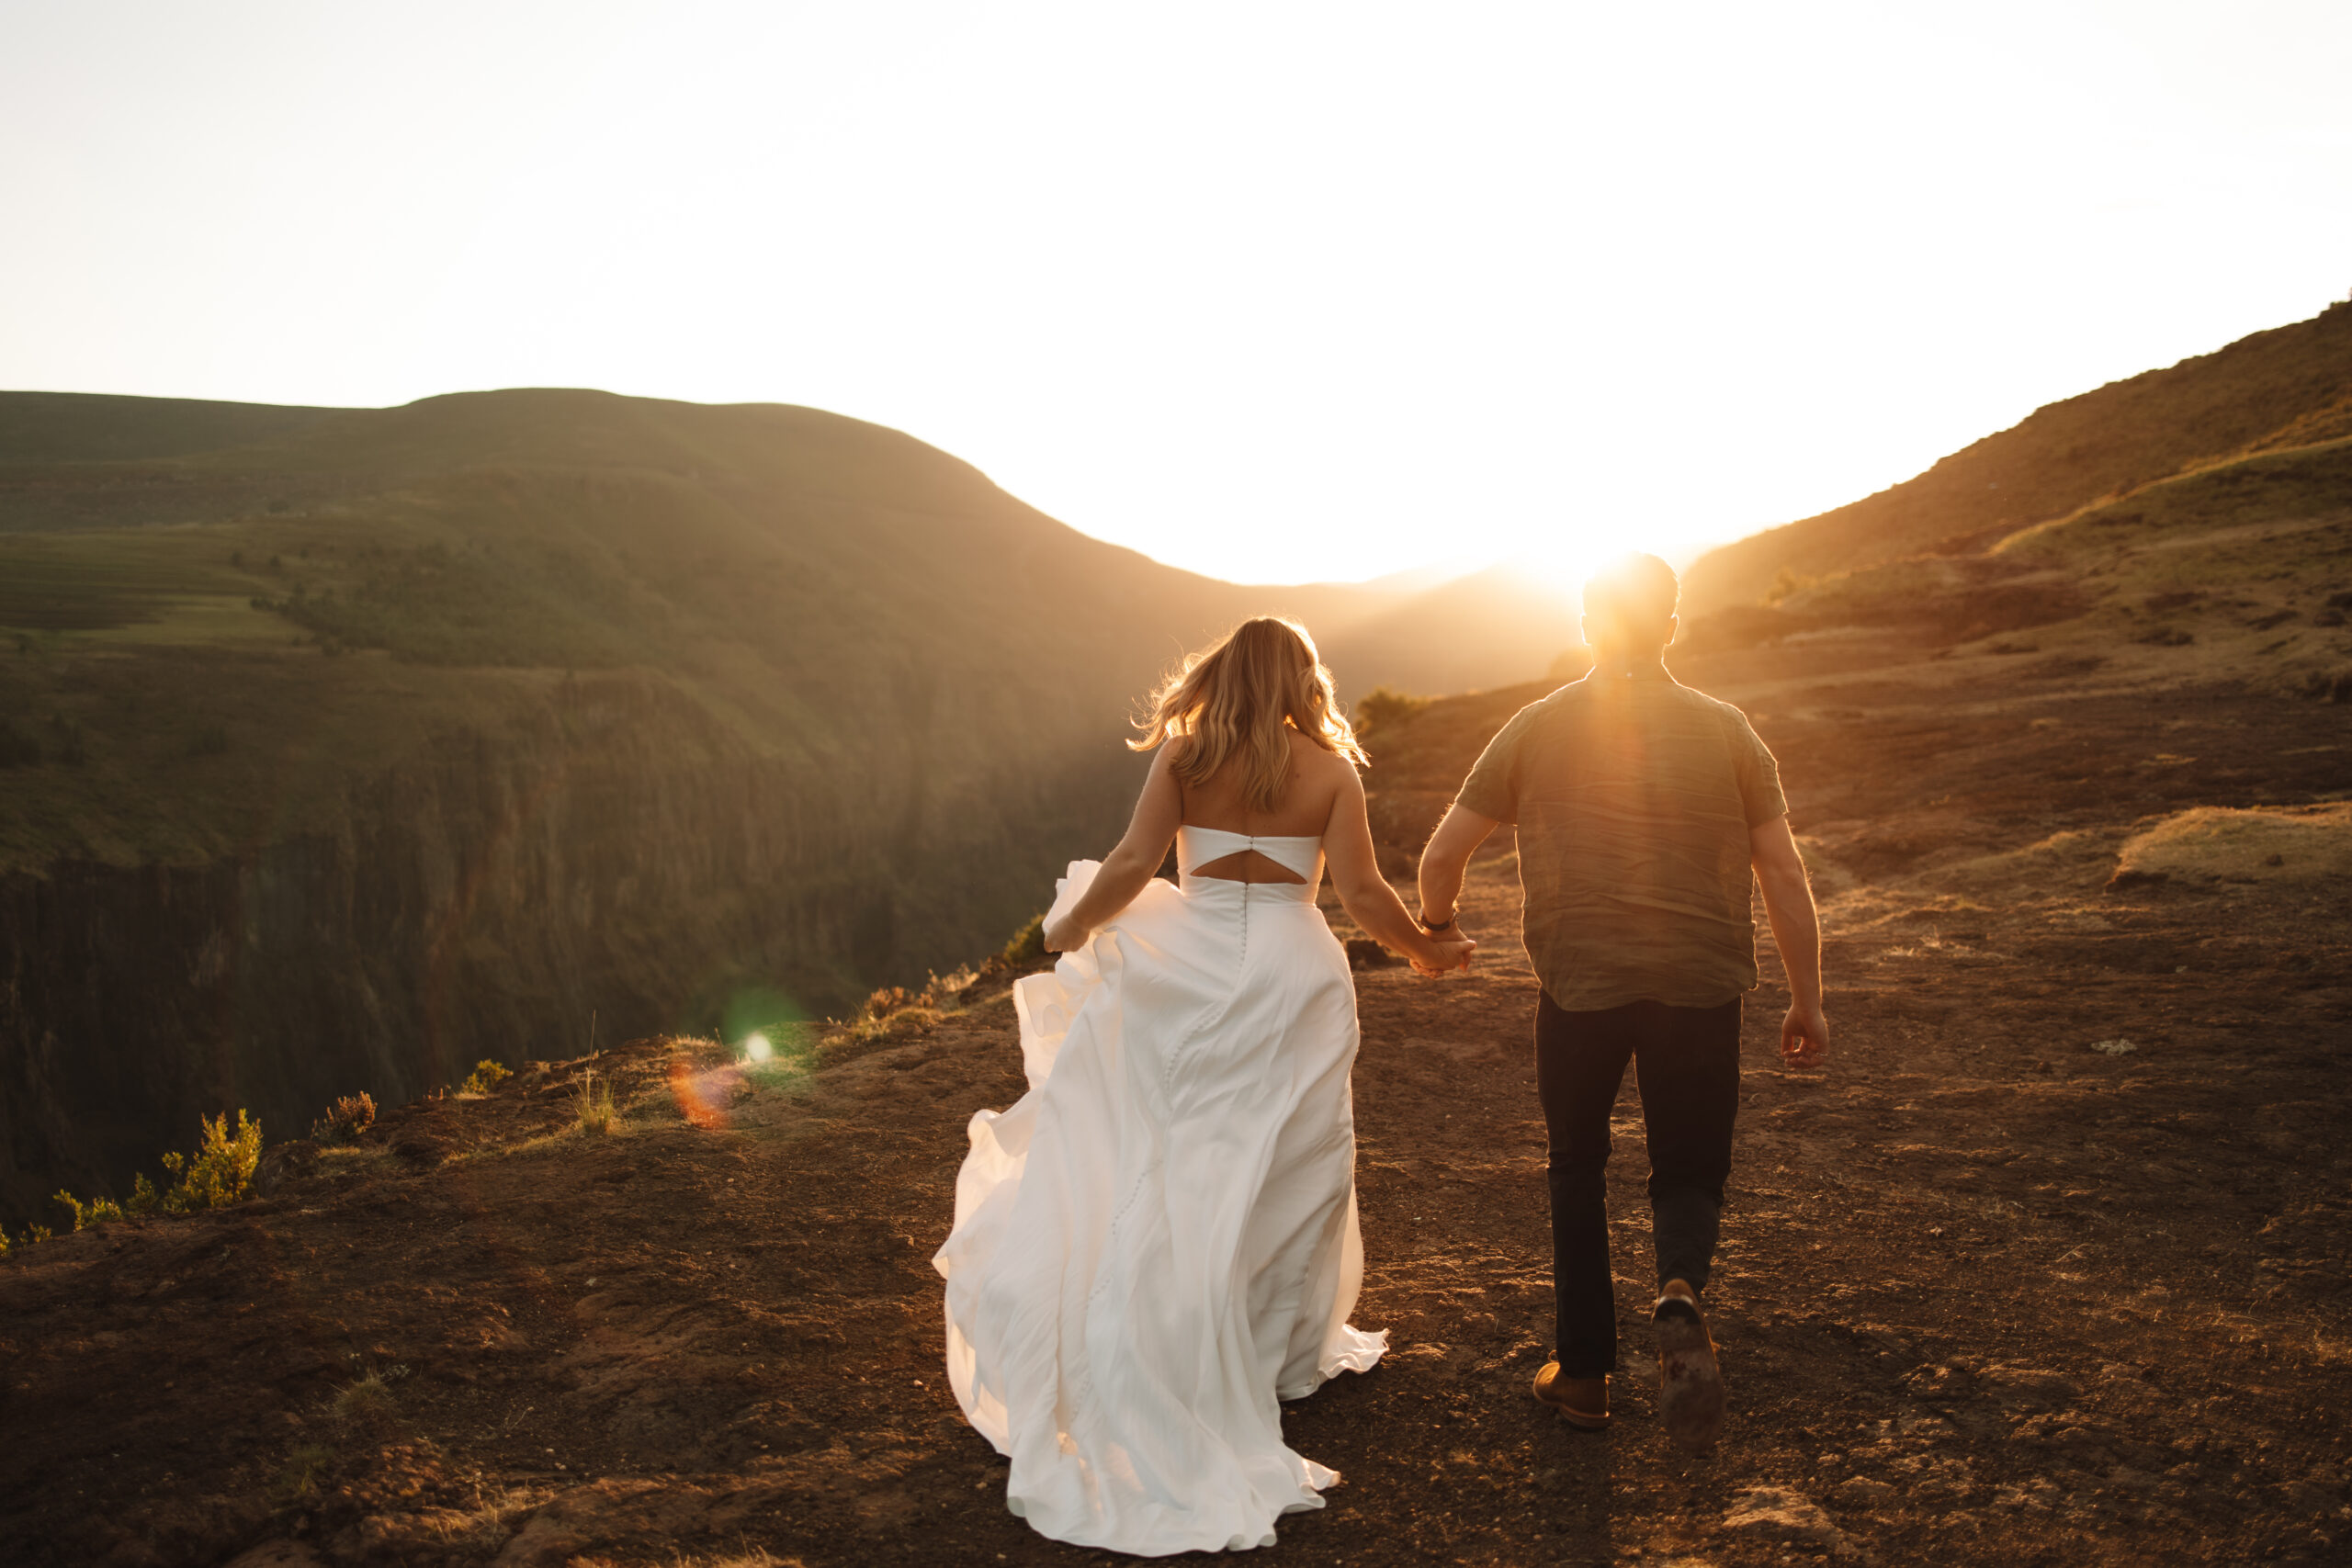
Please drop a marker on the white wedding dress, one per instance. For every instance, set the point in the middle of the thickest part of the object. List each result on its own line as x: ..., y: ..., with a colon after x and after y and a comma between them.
x: 1158, y: 1240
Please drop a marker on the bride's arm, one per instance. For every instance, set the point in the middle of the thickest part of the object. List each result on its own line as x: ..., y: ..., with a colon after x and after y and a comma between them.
x: 1158, y: 811
x: 1365, y: 894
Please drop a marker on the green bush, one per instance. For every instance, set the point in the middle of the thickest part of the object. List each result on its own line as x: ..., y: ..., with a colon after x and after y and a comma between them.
x: 98, y: 1211
x: 1028, y: 943
x: 487, y: 1076
x: 214, y: 1177
x: 1385, y: 705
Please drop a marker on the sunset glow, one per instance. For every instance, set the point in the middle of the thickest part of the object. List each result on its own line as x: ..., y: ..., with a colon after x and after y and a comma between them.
x: 1304, y: 292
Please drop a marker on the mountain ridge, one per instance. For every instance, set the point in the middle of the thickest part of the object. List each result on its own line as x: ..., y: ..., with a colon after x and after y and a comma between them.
x: 2289, y: 386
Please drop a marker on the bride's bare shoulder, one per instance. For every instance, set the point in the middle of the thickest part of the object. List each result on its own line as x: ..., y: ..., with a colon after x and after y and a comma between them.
x: 1323, y: 756
x: 1325, y: 773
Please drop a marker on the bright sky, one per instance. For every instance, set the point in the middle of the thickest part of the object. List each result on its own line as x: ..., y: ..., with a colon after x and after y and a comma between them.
x: 1273, y: 291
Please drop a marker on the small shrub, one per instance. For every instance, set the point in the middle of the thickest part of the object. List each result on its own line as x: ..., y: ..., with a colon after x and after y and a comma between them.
x: 97, y: 1212
x: 487, y: 1076
x: 345, y: 1119
x: 1385, y: 705
x: 368, y: 1403
x: 895, y: 1010
x: 219, y: 1171
x: 594, y: 1105
x: 1028, y: 943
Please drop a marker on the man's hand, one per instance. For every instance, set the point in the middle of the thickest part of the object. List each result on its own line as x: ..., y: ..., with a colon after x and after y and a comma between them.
x: 1804, y: 1037
x: 1454, y: 953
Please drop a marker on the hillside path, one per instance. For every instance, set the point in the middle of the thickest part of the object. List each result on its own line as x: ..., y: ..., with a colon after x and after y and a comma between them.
x: 1974, y: 1307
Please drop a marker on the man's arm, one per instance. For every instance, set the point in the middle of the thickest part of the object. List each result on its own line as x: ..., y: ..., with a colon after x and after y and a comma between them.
x: 1796, y: 930
x: 1365, y: 894
x: 1446, y: 858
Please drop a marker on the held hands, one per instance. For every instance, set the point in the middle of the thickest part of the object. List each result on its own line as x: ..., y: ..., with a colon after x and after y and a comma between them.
x: 1452, y: 951
x: 1804, y: 1037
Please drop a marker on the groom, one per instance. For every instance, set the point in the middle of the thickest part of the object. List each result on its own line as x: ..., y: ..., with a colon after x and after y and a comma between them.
x: 1642, y: 807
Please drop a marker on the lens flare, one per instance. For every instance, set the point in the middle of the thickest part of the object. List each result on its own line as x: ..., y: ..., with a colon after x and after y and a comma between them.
x: 757, y: 1048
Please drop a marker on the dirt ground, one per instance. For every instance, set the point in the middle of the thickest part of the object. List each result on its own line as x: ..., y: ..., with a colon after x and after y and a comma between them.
x: 2049, y: 1266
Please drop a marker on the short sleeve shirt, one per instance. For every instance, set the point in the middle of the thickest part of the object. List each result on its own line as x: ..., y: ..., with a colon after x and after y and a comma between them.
x: 1632, y: 797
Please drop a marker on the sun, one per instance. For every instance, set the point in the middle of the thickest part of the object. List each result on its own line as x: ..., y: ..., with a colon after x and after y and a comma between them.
x: 1559, y: 570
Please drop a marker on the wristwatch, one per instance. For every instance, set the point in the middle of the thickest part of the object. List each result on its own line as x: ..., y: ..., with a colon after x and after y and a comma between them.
x: 1434, y: 927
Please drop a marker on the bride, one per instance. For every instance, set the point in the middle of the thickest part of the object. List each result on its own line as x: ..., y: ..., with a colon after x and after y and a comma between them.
x: 1159, y: 1241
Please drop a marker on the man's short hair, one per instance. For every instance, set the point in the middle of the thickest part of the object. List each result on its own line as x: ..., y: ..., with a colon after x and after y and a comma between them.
x: 1633, y: 597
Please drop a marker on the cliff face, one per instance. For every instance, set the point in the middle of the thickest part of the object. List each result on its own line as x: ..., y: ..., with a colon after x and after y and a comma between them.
x: 611, y: 855
x: 368, y: 743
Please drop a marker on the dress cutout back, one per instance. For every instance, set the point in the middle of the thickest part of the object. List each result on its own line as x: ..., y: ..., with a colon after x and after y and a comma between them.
x: 1301, y: 854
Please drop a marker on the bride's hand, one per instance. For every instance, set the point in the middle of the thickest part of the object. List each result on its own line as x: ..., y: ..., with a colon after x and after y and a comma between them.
x: 1451, y: 954
x: 1062, y: 936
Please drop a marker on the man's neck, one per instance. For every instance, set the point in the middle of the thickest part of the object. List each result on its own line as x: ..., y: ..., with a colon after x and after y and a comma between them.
x: 1638, y: 664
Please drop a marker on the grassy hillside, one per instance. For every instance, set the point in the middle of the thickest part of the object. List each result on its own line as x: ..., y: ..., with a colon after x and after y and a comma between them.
x: 81, y: 427
x: 835, y: 594
x: 2285, y: 388
x: 341, y: 747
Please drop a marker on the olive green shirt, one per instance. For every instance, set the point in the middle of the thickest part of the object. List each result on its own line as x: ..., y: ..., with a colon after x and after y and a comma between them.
x: 1632, y: 796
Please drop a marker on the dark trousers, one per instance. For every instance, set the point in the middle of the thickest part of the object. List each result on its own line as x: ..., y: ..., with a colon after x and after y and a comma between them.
x: 1688, y: 1067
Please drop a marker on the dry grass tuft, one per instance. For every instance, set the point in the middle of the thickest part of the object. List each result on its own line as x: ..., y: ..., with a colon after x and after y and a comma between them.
x: 2302, y: 843
x: 744, y: 1556
x: 367, y: 1403
x: 594, y: 1110
x: 297, y: 1479
x: 490, y: 1521
x: 345, y: 1119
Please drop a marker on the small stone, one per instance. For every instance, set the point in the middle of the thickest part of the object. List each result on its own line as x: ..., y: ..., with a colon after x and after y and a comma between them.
x: 1775, y: 1513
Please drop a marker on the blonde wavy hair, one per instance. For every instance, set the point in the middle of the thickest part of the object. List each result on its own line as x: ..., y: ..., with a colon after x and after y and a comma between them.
x: 1236, y: 700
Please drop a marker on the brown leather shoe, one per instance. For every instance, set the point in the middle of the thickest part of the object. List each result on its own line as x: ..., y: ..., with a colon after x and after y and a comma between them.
x: 1691, y: 1395
x: 1582, y: 1403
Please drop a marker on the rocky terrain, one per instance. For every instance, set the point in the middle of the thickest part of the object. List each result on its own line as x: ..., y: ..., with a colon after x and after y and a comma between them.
x: 2046, y: 1266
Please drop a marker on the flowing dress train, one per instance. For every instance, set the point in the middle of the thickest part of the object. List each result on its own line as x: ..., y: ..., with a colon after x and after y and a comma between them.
x: 1158, y: 1240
